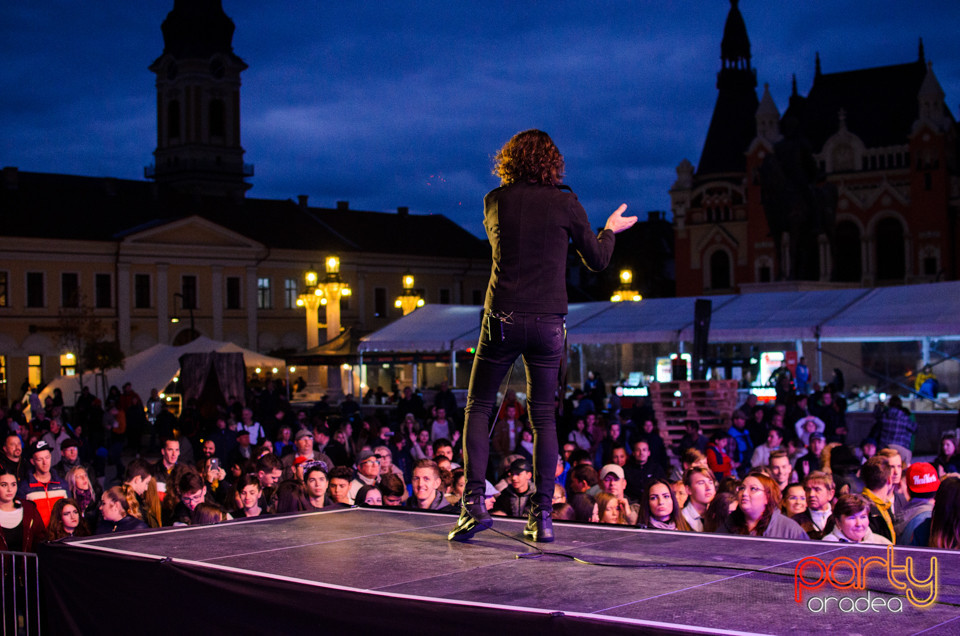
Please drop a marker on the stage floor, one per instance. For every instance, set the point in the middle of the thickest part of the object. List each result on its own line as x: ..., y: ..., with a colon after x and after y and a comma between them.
x: 688, y: 583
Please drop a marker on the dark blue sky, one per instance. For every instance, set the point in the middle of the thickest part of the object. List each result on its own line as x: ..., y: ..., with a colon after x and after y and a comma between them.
x: 392, y: 104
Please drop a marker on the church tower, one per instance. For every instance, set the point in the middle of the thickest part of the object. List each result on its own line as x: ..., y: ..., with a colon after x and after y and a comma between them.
x: 198, y: 103
x: 733, y: 125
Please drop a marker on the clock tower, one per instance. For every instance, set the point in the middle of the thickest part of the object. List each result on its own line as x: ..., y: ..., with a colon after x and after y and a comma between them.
x: 198, y: 103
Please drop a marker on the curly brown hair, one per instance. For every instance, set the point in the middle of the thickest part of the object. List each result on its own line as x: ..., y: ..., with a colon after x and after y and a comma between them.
x: 529, y: 156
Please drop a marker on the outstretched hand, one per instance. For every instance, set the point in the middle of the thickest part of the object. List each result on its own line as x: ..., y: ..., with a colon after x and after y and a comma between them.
x: 617, y: 223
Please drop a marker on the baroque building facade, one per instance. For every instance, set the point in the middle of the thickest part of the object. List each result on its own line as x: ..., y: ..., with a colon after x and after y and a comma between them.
x: 189, y: 244
x: 881, y: 141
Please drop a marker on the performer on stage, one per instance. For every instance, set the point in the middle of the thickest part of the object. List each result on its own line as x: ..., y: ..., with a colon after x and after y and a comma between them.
x: 530, y: 220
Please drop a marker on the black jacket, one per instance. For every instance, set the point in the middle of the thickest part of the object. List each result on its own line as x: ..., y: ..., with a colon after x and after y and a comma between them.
x: 529, y: 227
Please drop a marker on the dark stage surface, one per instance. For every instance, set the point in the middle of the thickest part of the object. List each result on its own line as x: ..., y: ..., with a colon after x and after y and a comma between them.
x: 360, y: 570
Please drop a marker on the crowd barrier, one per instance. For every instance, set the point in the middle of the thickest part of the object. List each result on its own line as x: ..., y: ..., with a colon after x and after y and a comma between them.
x: 20, y: 593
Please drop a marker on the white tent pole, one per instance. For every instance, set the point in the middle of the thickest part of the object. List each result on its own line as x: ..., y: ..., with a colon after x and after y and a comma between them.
x: 925, y: 343
x: 799, y: 346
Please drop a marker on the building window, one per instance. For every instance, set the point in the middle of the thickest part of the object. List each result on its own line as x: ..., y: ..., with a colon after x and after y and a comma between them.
x: 264, y: 299
x: 103, y: 291
x: 764, y: 276
x: 848, y: 267
x: 173, y: 119
x: 69, y: 289
x: 34, y: 289
x: 35, y: 370
x: 477, y: 297
x: 3, y: 289
x: 233, y: 292
x: 68, y: 364
x: 217, y: 118
x: 290, y: 293
x: 444, y: 296
x: 890, y: 250
x: 141, y: 291
x: 720, y: 270
x: 188, y: 287
x: 380, y: 302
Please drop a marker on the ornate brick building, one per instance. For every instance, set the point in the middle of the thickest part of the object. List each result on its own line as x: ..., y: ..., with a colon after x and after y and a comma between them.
x: 881, y: 140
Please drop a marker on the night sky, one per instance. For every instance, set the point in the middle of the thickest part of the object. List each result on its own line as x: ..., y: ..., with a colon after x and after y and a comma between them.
x: 387, y: 104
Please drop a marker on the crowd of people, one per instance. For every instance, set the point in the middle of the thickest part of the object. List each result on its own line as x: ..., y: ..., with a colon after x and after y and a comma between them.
x: 784, y: 470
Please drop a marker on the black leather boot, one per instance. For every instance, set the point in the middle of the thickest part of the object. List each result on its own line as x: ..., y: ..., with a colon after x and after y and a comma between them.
x: 539, y: 526
x: 473, y: 518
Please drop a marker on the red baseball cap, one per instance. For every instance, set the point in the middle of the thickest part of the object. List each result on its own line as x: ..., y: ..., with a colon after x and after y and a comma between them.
x: 922, y: 478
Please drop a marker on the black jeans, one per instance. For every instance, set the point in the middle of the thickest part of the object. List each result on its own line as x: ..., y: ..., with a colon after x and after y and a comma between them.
x: 539, y: 339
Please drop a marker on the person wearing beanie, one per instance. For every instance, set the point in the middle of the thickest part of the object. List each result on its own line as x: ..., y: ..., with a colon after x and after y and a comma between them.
x: 922, y: 483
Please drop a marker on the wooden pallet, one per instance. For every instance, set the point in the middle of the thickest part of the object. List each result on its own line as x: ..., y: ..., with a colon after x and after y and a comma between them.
x: 708, y: 402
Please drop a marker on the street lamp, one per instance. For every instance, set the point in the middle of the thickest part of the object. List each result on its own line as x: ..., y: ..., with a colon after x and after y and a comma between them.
x: 175, y: 319
x: 410, y: 298
x: 310, y: 298
x: 625, y: 291
x: 326, y: 292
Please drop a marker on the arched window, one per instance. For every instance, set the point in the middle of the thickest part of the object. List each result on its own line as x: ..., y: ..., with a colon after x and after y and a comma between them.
x: 173, y: 119
x: 891, y: 253
x: 720, y: 270
x: 217, y: 118
x: 847, y: 267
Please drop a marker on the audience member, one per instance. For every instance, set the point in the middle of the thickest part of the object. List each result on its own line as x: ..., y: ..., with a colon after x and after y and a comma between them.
x: 922, y: 484
x: 515, y: 499
x: 369, y: 497
x: 878, y: 484
x: 819, y: 490
x: 21, y: 526
x: 850, y: 522
x: 66, y: 521
x: 659, y: 509
x: 759, y: 514
x: 426, y: 488
x: 944, y: 523
x: 614, y: 483
x: 339, y: 479
x: 701, y: 489
x: 947, y: 460
x: 316, y: 485
x: 41, y: 486
x: 115, y: 513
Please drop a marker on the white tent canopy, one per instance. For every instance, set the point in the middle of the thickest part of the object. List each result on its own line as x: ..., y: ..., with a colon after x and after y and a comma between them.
x: 429, y: 328
x: 154, y: 368
x: 909, y: 312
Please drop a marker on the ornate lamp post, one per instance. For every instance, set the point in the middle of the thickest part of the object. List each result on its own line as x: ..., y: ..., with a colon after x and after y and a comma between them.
x: 625, y: 291
x: 410, y: 298
x: 310, y: 298
x: 326, y: 292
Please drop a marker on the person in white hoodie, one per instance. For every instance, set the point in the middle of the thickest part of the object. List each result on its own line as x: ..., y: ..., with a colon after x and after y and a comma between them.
x: 851, y: 522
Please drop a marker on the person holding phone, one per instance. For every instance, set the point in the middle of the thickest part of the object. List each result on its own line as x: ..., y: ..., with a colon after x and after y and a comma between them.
x: 530, y: 222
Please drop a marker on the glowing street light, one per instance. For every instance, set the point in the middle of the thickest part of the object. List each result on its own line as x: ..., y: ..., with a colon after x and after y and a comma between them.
x: 625, y: 291
x: 326, y: 292
x: 410, y: 298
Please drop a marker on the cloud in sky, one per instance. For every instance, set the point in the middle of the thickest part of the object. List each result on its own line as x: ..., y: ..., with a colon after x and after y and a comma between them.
x: 404, y: 103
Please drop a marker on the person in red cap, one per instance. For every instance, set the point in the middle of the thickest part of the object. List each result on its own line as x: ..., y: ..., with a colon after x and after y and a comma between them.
x: 922, y: 482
